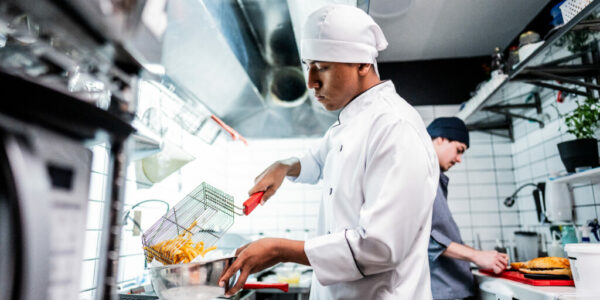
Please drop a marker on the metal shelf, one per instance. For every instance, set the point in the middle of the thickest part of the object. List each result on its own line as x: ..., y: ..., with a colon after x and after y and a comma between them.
x: 495, y: 105
x: 587, y: 176
x: 60, y: 110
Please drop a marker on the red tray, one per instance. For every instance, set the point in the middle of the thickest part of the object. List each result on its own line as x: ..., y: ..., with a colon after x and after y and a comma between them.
x: 520, y: 277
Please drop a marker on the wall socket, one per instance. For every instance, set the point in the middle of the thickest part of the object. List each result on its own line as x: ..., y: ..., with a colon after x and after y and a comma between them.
x: 137, y: 217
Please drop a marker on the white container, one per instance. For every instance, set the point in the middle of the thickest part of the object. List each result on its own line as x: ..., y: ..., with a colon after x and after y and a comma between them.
x: 585, y: 264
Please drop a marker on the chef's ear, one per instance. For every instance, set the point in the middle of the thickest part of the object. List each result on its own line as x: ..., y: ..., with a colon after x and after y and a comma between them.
x: 363, y: 69
x: 439, y: 140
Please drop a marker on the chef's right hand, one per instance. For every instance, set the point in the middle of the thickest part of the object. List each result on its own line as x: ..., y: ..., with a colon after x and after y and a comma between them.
x: 272, y: 177
x: 492, y: 260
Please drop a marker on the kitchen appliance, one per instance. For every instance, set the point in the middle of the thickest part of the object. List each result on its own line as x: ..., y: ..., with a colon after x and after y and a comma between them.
x: 527, y: 245
x: 199, y: 280
x: 585, y: 263
x: 558, y: 201
x: 66, y: 84
x: 44, y: 188
x: 553, y: 200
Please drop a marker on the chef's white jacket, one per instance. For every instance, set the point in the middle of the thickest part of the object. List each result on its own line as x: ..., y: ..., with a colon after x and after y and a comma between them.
x: 380, y: 175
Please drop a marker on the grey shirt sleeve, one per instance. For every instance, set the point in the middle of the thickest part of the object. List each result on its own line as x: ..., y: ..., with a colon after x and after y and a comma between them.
x: 440, y: 238
x: 435, y: 249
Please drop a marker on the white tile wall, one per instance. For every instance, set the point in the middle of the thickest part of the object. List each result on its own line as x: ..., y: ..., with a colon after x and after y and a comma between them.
x: 535, y: 157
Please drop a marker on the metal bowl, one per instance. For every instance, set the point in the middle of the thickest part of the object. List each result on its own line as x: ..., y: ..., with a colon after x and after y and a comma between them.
x: 192, y: 281
x: 199, y: 280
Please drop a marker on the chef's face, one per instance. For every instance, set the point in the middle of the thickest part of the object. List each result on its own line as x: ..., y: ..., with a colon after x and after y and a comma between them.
x: 449, y: 152
x: 334, y: 84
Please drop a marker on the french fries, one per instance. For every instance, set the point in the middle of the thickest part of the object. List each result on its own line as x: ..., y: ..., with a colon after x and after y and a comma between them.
x: 178, y: 250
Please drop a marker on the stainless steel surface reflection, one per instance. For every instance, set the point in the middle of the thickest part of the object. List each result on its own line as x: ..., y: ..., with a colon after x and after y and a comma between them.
x: 192, y: 281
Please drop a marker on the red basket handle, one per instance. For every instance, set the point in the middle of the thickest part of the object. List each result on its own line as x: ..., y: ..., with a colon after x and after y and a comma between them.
x: 252, y: 202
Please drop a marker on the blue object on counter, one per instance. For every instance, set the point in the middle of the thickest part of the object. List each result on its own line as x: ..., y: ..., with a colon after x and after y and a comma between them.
x: 556, y: 14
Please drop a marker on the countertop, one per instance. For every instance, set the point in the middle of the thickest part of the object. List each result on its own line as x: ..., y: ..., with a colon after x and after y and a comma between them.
x: 525, y: 291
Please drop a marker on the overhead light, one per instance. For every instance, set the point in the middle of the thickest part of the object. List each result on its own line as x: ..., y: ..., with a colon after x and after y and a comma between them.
x: 388, y: 9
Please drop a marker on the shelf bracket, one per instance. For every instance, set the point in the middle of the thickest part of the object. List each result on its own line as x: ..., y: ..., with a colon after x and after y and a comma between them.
x: 549, y: 76
x: 589, y: 25
x: 561, y: 60
x: 504, y: 109
x: 576, y: 71
x: 556, y: 87
x: 489, y: 127
x: 537, y: 104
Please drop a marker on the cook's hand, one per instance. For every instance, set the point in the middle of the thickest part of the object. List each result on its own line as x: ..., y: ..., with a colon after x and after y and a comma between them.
x: 271, y: 178
x: 491, y: 259
x: 251, y: 258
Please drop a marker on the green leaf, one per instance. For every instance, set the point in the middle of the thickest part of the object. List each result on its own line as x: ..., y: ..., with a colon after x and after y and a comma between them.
x: 584, y: 120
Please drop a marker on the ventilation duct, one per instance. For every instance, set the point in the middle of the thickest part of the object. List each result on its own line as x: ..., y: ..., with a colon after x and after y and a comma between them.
x: 240, y: 58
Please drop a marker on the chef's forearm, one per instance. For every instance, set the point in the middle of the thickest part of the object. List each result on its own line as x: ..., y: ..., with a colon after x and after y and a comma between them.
x: 292, y: 165
x: 292, y: 251
x: 459, y: 251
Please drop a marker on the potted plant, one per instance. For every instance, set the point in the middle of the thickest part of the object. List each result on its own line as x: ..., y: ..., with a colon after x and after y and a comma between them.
x: 582, y: 122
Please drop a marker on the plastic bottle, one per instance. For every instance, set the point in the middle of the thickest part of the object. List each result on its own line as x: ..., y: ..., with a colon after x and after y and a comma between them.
x: 555, y: 248
x: 585, y: 234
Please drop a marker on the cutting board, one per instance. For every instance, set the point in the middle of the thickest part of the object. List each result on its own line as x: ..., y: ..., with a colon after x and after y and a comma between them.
x: 520, y: 277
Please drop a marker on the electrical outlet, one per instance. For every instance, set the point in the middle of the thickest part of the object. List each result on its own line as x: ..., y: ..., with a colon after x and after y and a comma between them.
x: 137, y: 217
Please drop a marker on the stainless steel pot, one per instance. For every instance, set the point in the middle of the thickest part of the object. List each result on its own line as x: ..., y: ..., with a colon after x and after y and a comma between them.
x: 198, y: 280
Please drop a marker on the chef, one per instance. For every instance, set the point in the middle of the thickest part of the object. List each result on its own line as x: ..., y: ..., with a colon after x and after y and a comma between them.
x: 378, y: 169
x: 449, y: 258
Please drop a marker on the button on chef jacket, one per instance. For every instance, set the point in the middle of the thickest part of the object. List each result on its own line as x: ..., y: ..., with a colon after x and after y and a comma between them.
x: 380, y: 173
x: 450, y: 278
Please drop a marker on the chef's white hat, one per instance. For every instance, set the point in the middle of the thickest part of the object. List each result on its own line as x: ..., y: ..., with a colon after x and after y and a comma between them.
x: 341, y: 33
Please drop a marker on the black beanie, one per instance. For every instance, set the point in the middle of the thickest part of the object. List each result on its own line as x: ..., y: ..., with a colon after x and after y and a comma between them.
x: 451, y: 128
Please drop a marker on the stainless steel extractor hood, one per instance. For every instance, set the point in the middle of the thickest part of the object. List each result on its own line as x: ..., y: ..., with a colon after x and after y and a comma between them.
x: 241, y: 59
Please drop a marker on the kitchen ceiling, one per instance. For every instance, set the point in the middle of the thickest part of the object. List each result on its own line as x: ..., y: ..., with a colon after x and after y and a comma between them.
x: 425, y: 30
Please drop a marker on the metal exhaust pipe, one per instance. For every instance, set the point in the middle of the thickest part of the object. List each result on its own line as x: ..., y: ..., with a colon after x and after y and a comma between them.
x: 287, y: 87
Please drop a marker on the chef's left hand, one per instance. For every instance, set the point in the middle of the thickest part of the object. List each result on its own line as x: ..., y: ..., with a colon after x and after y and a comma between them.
x: 252, y: 258
x: 491, y: 259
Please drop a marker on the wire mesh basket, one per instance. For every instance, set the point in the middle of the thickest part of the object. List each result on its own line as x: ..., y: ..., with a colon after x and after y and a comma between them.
x: 570, y: 8
x: 191, y: 227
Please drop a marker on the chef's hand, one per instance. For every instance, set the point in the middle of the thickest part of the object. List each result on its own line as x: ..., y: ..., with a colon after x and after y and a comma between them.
x: 259, y: 255
x: 491, y: 259
x: 251, y: 258
x: 271, y: 178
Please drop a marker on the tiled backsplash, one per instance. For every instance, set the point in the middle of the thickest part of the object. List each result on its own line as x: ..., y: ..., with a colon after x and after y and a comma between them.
x: 535, y: 157
x: 492, y: 168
